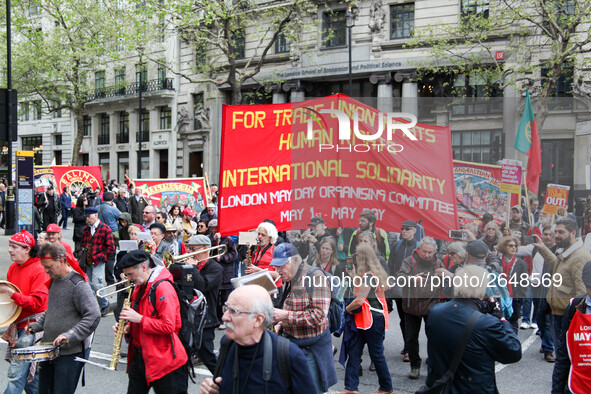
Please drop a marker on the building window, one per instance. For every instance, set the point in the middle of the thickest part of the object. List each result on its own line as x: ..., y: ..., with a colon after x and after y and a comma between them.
x: 165, y: 118
x: 402, y: 20
x: 120, y: 79
x: 57, y: 112
x: 475, y: 8
x: 122, y: 164
x: 105, y: 163
x: 86, y: 125
x: 85, y: 159
x: 479, y: 95
x: 145, y: 126
x: 36, y: 110
x: 103, y: 137
x: 141, y: 72
x: 58, y: 157
x: 123, y: 135
x: 57, y: 139
x: 239, y: 44
x: 481, y: 146
x: 200, y: 57
x: 161, y: 71
x: 99, y: 83
x: 25, y: 108
x: 36, y: 145
x: 282, y: 44
x: 563, y: 88
x: 334, y: 29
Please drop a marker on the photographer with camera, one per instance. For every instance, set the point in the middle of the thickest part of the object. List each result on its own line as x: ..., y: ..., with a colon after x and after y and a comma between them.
x: 491, y: 340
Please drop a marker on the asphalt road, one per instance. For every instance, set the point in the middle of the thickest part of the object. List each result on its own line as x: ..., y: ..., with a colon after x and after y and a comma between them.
x: 530, y: 375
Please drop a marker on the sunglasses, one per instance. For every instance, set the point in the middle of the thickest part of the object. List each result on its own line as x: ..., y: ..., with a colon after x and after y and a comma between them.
x: 406, y: 228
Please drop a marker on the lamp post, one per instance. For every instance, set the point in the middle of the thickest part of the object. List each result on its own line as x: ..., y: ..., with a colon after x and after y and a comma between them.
x: 10, y: 213
x: 350, y: 23
x: 140, y: 137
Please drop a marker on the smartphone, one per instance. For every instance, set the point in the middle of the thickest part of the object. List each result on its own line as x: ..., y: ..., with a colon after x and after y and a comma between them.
x: 457, y: 234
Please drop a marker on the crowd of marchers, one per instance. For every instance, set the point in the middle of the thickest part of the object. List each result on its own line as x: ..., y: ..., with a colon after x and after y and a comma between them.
x: 531, y: 272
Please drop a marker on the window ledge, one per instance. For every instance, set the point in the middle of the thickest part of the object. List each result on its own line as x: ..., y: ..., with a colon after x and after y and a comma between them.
x: 324, y: 48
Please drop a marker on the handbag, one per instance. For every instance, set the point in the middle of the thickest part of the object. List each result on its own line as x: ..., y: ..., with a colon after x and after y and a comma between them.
x: 81, y: 257
x: 444, y: 384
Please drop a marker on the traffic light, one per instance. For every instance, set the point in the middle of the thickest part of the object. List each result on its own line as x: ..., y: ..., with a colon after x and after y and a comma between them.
x: 8, y: 105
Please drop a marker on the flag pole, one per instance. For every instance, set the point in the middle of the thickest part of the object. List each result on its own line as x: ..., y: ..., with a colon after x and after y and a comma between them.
x: 523, y: 176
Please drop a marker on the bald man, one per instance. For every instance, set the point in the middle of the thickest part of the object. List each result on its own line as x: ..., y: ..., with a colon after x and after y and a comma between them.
x: 247, y: 313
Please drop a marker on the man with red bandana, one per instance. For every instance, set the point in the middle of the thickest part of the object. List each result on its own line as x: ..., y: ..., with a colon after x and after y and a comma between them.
x: 29, y: 276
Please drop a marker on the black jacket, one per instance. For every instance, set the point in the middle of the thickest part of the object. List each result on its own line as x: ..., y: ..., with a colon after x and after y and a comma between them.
x: 208, y: 281
x: 122, y: 204
x: 227, y: 262
x: 491, y: 340
x: 562, y: 366
x: 137, y: 209
x: 79, y: 223
x: 398, y: 252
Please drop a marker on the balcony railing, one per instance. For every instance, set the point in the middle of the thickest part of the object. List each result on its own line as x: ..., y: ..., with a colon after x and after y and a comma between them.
x: 154, y: 85
x: 103, y: 139
x: 145, y: 136
x: 122, y: 138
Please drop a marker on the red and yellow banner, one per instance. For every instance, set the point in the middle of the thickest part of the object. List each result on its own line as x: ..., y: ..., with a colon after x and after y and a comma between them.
x: 332, y: 158
x: 43, y: 178
x: 77, y: 178
x: 477, y: 191
x: 556, y: 197
x: 165, y: 193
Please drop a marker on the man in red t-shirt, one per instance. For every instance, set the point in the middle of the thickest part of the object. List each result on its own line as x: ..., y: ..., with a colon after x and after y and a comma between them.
x: 29, y: 276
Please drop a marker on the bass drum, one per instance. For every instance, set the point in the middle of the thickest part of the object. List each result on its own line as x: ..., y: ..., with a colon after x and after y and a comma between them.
x: 9, y: 311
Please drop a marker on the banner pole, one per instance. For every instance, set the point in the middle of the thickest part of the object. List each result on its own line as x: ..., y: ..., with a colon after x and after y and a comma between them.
x: 531, y: 220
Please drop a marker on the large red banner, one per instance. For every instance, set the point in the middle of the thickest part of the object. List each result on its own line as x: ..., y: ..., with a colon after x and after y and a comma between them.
x: 332, y: 158
x: 165, y: 193
x: 77, y: 178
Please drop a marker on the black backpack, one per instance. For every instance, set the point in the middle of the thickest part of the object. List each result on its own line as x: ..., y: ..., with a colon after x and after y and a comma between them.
x: 336, y: 308
x: 192, y: 317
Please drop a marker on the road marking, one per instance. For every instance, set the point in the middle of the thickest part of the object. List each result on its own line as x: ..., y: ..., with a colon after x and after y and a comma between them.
x: 524, y: 346
x: 107, y: 357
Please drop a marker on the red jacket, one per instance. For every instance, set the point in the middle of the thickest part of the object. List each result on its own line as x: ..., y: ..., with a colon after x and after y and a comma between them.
x: 30, y: 278
x: 157, y: 334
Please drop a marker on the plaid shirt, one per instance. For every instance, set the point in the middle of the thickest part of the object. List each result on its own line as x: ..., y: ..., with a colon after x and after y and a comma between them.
x: 307, y: 315
x: 102, y: 243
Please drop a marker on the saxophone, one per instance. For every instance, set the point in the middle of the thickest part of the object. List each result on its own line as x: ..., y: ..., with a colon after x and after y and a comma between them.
x: 248, y: 255
x: 120, y: 331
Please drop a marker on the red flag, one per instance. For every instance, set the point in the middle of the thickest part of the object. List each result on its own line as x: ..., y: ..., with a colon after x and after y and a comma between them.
x: 534, y: 164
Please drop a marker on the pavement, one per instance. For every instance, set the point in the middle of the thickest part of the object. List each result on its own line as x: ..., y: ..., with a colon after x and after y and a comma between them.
x: 530, y: 375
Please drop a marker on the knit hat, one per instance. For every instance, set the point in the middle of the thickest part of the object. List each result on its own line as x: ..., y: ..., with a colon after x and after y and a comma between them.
x: 477, y: 249
x: 24, y: 239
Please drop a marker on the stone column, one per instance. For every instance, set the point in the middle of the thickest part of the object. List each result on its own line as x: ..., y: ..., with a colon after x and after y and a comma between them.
x: 297, y: 95
x: 410, y: 102
x: 385, y: 99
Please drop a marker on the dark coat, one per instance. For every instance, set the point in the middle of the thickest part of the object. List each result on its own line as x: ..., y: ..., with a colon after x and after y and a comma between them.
x: 79, y: 223
x: 491, y: 340
x: 562, y: 366
x: 417, y: 299
x: 227, y: 262
x: 122, y: 204
x: 137, y: 209
x: 208, y: 281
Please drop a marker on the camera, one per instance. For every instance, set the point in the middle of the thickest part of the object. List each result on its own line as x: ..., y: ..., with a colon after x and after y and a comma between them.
x: 457, y: 234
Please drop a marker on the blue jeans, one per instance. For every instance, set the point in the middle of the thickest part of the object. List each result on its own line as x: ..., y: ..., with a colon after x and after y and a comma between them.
x: 96, y: 273
x: 543, y: 321
x: 374, y: 338
x: 527, y: 308
x: 17, y: 372
x: 313, y: 369
x: 557, y: 325
x: 64, y: 219
x: 60, y: 375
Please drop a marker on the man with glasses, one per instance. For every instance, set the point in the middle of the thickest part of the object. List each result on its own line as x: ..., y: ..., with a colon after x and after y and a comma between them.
x: 207, y: 278
x: 247, y: 314
x: 149, y: 216
x: 401, y: 250
x: 367, y: 222
x: 159, y: 244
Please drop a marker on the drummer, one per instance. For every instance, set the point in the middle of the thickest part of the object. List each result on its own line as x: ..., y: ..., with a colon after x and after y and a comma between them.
x: 72, y: 316
x: 28, y: 275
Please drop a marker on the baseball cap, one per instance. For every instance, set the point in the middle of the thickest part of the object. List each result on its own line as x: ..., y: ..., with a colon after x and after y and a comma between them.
x: 477, y: 249
x: 282, y: 253
x: 316, y: 221
x: 518, y: 207
x: 53, y: 228
x: 212, y: 223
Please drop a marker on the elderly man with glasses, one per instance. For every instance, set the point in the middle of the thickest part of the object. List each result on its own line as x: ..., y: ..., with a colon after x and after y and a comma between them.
x: 247, y: 314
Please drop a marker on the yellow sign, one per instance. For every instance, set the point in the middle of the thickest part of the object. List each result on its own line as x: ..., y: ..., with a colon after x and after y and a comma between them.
x: 25, y: 153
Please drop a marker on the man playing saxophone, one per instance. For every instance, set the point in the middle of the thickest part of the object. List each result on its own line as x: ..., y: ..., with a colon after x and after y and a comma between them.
x: 72, y: 316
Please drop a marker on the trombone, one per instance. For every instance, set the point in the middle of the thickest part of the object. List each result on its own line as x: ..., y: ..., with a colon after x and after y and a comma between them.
x: 170, y: 259
x: 105, y: 293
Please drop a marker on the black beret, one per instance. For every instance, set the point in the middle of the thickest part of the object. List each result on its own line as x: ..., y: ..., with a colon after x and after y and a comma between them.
x: 133, y: 258
x: 159, y: 226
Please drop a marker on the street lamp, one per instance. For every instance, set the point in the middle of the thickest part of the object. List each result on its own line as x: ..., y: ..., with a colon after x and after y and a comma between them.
x: 140, y: 88
x: 350, y: 23
x: 10, y: 213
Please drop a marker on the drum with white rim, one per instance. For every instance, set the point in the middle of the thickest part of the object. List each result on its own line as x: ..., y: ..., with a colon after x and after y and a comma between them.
x: 35, y: 353
x: 9, y: 311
